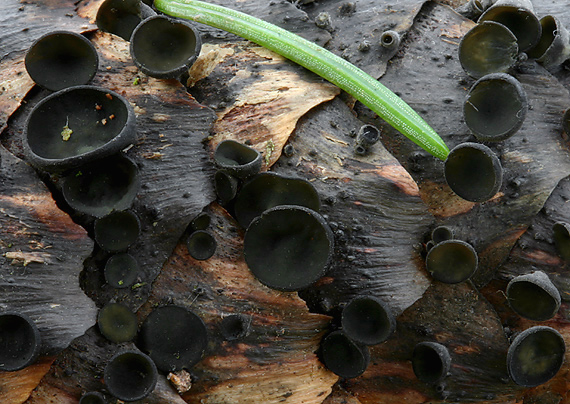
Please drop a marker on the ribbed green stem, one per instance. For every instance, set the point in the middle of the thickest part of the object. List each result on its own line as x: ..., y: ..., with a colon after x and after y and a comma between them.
x: 338, y: 71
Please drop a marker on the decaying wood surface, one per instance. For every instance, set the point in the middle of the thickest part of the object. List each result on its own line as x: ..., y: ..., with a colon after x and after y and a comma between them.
x: 381, y: 208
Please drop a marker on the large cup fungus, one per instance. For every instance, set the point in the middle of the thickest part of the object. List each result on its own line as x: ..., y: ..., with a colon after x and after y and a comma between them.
x: 103, y: 186
x: 61, y: 59
x: 76, y: 126
x: 117, y: 231
x: 20, y: 341
x: 367, y: 320
x: 495, y: 107
x: 431, y: 362
x: 174, y: 337
x: 535, y: 356
x: 288, y: 247
x: 267, y: 190
x: 121, y: 17
x: 533, y: 296
x: 117, y: 322
x: 164, y: 47
x: 452, y: 261
x: 343, y: 356
x: 130, y: 375
x: 473, y: 172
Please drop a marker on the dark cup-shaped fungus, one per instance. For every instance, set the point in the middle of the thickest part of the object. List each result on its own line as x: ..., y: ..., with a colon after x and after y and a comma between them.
x: 553, y: 48
x: 76, y: 126
x: 200, y: 222
x: 343, y: 356
x: 390, y: 39
x: 130, y: 375
x: 174, y: 337
x: 201, y: 245
x: 535, y: 356
x: 234, y: 326
x: 20, y: 341
x: 441, y: 233
x: 61, y: 59
x: 518, y: 16
x: 566, y: 121
x: 92, y: 397
x: 452, y: 261
x: 533, y: 296
x: 103, y: 186
x: 267, y: 190
x: 121, y: 17
x: 226, y: 186
x: 495, y: 107
x: 239, y: 160
x: 164, y: 47
x: 367, y: 320
x: 121, y: 270
x: 473, y: 172
x: 117, y: 231
x: 561, y: 232
x: 288, y: 247
x: 431, y: 362
x: 489, y: 47
x: 367, y: 136
x: 117, y: 322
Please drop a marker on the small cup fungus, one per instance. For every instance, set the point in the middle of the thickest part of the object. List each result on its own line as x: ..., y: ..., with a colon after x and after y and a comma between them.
x: 535, y: 356
x: 561, y: 232
x: 267, y: 190
x: 431, y: 362
x: 367, y: 136
x: 489, y: 47
x: 117, y: 231
x: 130, y: 375
x: 452, y: 261
x: 554, y: 47
x: 76, y: 126
x: 518, y: 16
x: 61, y: 59
x: 92, y: 397
x: 121, y: 270
x: 164, y: 47
x: 441, y: 233
x: 226, y: 186
x: 200, y: 222
x: 20, y: 341
x: 533, y: 296
x: 343, y: 356
x: 174, y: 337
x: 495, y: 107
x: 390, y: 39
x: 367, y: 320
x: 201, y: 245
x: 117, y: 322
x: 239, y: 160
x: 100, y: 187
x: 234, y: 326
x: 121, y: 17
x: 288, y: 247
x: 473, y: 172
x: 566, y: 121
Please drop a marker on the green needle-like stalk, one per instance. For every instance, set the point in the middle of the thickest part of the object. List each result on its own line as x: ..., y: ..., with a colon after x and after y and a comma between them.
x: 338, y: 71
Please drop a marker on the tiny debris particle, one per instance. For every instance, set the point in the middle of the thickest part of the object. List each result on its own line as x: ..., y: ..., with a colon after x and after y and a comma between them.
x: 104, y: 121
x: 109, y: 96
x: 98, y: 107
x: 181, y: 380
x: 112, y: 116
x: 269, y: 148
x: 136, y: 81
x: 66, y: 132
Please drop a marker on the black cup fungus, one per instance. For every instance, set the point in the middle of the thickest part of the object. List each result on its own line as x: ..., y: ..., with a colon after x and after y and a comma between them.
x: 92, y: 397
x: 76, y: 126
x: 267, y: 190
x: 117, y: 322
x: 535, y: 356
x: 473, y: 172
x: 174, y: 337
x: 566, y: 121
x: 431, y: 362
x: 121, y: 17
x: 288, y: 247
x: 201, y: 245
x: 130, y: 375
x: 117, y: 231
x: 441, y: 233
x: 103, y: 186
x: 164, y: 47
x: 200, y: 222
x: 390, y: 39
x: 61, y: 59
x: 553, y: 47
x: 452, y: 261
x: 367, y: 320
x: 489, y: 47
x: 121, y: 270
x: 495, y: 107
x: 20, y: 341
x: 226, y: 186
x: 533, y: 296
x: 237, y: 159
x: 561, y: 232
x: 343, y: 356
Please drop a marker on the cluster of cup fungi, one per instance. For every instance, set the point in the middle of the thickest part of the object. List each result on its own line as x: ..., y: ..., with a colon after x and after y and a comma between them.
x: 77, y: 134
